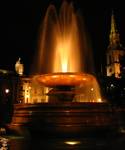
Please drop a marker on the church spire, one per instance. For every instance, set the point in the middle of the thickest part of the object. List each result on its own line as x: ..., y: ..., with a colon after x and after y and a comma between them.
x: 115, y: 51
x: 114, y: 39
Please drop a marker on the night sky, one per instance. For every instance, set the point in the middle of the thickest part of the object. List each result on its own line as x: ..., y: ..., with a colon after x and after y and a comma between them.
x: 21, y: 21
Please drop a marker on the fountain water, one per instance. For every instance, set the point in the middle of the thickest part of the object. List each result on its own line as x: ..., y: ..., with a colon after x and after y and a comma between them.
x: 64, y: 56
x: 61, y: 45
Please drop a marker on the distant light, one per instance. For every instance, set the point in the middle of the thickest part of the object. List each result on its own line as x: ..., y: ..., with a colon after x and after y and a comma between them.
x: 3, y: 71
x: 122, y: 130
x: 72, y: 142
x: 54, y: 76
x: 29, y: 87
x: 99, y: 100
x: 7, y: 91
x: 92, y: 89
x: 83, y: 79
x: 112, y: 85
x: 72, y: 76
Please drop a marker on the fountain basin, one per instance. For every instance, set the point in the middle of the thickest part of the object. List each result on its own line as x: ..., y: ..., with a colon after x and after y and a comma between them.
x: 66, y: 119
x: 70, y: 86
x: 64, y: 79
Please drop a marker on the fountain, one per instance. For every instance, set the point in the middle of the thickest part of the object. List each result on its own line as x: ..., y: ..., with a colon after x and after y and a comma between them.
x: 64, y: 65
x: 63, y: 54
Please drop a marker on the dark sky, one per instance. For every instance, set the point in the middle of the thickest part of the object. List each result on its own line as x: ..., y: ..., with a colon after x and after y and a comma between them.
x: 21, y: 20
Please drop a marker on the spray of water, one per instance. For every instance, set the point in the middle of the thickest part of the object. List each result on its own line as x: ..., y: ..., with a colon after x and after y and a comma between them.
x: 64, y: 55
x: 63, y: 43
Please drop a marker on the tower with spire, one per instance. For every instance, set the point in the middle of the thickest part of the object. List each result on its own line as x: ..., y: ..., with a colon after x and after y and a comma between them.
x: 115, y: 51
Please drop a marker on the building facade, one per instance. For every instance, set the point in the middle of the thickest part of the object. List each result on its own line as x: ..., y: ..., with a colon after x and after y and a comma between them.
x: 29, y: 91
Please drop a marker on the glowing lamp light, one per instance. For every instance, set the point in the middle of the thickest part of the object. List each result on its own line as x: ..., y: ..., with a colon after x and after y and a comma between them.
x: 7, y: 91
x: 72, y: 142
x: 92, y: 89
x: 99, y: 100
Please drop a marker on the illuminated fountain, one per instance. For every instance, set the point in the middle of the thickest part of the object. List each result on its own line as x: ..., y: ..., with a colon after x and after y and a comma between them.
x: 64, y: 65
x: 70, y: 86
x: 64, y: 59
